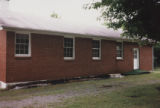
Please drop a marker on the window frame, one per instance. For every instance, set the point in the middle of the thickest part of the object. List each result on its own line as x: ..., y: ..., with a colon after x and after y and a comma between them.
x: 29, y: 45
x: 69, y: 58
x: 120, y: 58
x: 97, y: 58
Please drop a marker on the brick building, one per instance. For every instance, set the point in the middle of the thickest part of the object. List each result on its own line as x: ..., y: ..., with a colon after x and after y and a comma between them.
x: 32, y: 50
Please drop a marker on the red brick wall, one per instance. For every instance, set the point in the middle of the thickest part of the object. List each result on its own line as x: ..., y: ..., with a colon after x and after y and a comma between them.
x: 145, y: 58
x: 3, y: 55
x: 47, y: 62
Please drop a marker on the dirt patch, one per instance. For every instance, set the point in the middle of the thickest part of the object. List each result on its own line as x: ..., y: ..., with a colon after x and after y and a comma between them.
x: 112, y: 85
x: 134, y: 96
x: 106, y: 86
x: 35, y: 101
x: 158, y: 88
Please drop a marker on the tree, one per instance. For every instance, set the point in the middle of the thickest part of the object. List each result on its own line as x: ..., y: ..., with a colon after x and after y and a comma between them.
x: 138, y: 18
x: 54, y: 15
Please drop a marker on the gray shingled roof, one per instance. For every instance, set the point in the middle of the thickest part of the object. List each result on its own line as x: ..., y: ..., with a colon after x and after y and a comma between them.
x: 9, y: 19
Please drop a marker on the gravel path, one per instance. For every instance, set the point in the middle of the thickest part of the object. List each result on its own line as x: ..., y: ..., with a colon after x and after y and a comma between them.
x: 37, y: 101
x: 42, y: 101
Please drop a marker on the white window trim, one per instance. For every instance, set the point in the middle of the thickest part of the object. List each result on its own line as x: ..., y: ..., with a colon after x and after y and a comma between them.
x: 29, y: 49
x: 70, y: 58
x: 98, y: 58
x: 120, y: 58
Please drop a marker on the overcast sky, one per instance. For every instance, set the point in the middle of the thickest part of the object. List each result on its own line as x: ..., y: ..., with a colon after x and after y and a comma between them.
x: 68, y: 10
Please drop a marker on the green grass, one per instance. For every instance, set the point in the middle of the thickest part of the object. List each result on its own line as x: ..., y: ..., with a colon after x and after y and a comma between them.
x: 137, y: 91
x: 142, y: 95
x: 136, y: 72
x: 146, y: 96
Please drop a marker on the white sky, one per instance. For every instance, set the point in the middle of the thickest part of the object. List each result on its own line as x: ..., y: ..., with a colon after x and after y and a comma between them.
x: 68, y: 10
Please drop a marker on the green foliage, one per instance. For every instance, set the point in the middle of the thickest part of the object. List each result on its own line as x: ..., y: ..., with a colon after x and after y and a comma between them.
x: 139, y: 19
x: 54, y: 15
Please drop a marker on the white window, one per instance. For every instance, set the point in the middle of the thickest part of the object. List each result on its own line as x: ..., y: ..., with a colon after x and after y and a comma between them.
x: 96, y: 49
x: 22, y: 44
x: 119, y: 49
x: 69, y: 48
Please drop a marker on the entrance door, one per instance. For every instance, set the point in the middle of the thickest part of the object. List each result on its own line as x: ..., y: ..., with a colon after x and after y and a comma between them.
x: 135, y: 58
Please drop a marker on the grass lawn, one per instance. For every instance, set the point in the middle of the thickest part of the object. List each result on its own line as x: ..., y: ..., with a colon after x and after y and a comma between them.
x: 136, y: 91
x: 146, y: 96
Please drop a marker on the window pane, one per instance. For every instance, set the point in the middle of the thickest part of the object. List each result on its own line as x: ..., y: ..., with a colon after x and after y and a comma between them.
x: 18, y: 36
x: 119, y: 49
x: 95, y: 48
x: 26, y: 41
x: 17, y: 51
x: 119, y: 54
x: 65, y: 52
x: 68, y: 52
x: 26, y: 47
x: 68, y: 42
x: 25, y: 36
x: 95, y: 52
x: 68, y: 47
x: 95, y: 44
x: 71, y: 52
x: 17, y: 46
x: 21, y: 51
x: 26, y: 52
x: 22, y: 40
x: 22, y: 44
x: 17, y: 40
x: 135, y: 54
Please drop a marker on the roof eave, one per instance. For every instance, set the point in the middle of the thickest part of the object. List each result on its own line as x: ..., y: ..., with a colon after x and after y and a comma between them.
x: 58, y: 33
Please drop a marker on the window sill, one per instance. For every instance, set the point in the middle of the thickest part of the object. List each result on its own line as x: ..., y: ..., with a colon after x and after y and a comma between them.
x: 23, y: 56
x: 119, y: 58
x: 96, y: 58
x: 69, y: 58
